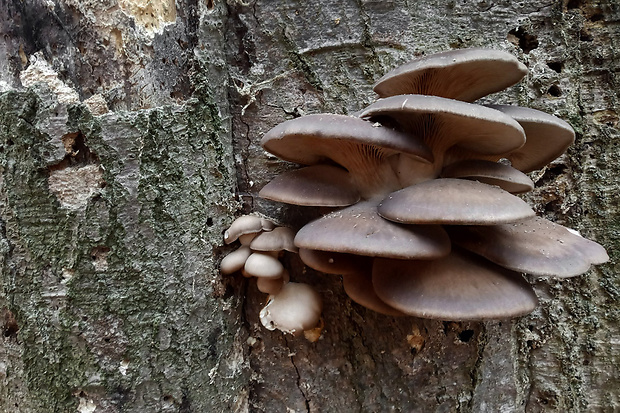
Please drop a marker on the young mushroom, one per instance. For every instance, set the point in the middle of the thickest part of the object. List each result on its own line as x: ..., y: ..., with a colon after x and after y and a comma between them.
x: 295, y: 308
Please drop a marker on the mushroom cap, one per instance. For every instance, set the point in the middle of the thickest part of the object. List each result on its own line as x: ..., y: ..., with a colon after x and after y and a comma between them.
x: 272, y: 285
x: 295, y: 308
x: 317, y: 185
x: 466, y: 75
x: 359, y: 230
x: 458, y: 287
x: 534, y: 246
x: 263, y: 265
x: 453, y: 201
x: 235, y: 260
x: 547, y: 137
x: 322, y: 138
x: 245, y: 224
x: 445, y: 123
x: 278, y: 239
x: 358, y: 286
x: 331, y: 262
x: 491, y: 173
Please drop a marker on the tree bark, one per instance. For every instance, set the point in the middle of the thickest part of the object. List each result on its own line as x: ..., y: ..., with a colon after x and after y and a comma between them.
x: 129, y: 140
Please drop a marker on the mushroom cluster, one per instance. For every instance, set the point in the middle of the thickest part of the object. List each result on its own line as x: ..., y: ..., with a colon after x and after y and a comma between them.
x: 421, y: 184
x: 291, y: 307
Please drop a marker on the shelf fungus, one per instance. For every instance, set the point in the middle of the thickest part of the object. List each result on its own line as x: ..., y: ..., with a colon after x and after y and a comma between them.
x: 422, y: 185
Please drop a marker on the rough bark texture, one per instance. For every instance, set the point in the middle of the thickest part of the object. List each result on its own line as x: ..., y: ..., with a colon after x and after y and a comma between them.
x: 129, y: 138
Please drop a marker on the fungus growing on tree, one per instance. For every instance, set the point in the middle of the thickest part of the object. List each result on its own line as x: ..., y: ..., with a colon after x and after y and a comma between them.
x: 425, y: 221
x: 258, y: 256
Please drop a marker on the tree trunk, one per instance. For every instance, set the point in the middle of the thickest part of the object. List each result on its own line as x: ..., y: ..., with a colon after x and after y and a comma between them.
x: 129, y: 140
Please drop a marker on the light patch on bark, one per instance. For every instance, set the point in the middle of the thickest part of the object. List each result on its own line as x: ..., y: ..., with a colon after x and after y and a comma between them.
x: 40, y: 71
x: 152, y: 15
x: 97, y: 105
x: 75, y: 186
x: 86, y: 406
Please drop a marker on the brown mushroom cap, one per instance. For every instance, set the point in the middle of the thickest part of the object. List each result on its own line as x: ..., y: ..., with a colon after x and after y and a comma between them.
x: 446, y: 123
x: 358, y: 287
x: 466, y: 75
x: 460, y: 286
x: 278, y: 239
x: 547, y: 137
x: 295, y: 308
x: 246, y: 224
x: 331, y: 262
x: 317, y: 185
x: 534, y: 246
x: 361, y: 147
x: 453, y: 201
x: 359, y: 230
x: 491, y: 173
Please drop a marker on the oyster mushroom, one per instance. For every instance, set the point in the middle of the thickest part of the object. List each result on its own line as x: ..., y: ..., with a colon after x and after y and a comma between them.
x: 492, y: 173
x: 547, y: 137
x: 458, y: 287
x: 295, y: 308
x: 453, y: 130
x: 360, y: 147
x: 317, y: 185
x: 467, y: 75
x: 453, y: 201
x: 534, y: 246
x: 359, y: 230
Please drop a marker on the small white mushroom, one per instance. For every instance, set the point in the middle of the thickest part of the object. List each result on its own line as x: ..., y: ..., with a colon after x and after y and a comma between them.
x: 297, y: 307
x: 263, y: 265
x: 235, y: 260
x: 272, y: 285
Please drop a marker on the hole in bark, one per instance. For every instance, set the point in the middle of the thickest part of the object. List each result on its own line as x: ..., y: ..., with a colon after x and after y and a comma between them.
x: 585, y: 36
x: 555, y: 90
x: 526, y: 42
x: 556, y: 66
x: 573, y: 4
x: 209, y: 221
x: 9, y: 323
x: 466, y: 335
x: 550, y: 174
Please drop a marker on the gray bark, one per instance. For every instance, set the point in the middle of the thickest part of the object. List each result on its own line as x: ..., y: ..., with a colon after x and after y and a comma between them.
x: 129, y: 138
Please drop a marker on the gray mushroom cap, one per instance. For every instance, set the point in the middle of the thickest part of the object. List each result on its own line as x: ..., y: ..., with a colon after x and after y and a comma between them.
x: 322, y: 138
x: 461, y: 286
x: 491, y: 173
x: 359, y: 288
x: 362, y: 148
x: 547, y: 137
x: 446, y: 123
x: 317, y: 185
x: 466, y: 75
x: 534, y: 246
x: 453, y: 201
x: 331, y: 262
x: 359, y: 230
